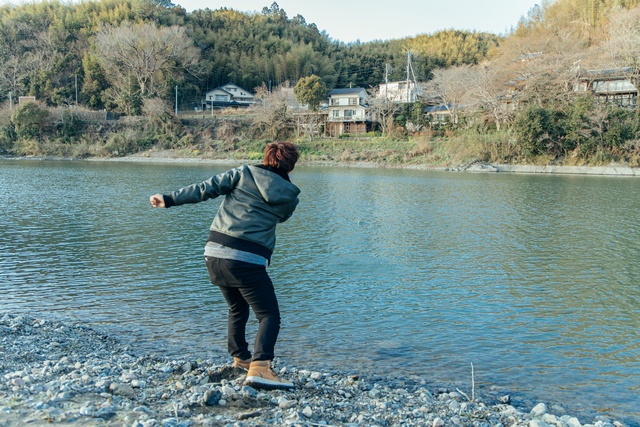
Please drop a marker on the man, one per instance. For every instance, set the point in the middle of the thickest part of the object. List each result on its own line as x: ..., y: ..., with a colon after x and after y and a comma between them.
x: 241, y: 240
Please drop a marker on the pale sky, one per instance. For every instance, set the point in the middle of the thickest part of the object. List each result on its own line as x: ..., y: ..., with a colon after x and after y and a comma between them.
x: 367, y: 20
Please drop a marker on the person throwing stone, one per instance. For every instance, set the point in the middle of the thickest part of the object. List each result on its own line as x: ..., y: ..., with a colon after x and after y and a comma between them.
x: 241, y: 240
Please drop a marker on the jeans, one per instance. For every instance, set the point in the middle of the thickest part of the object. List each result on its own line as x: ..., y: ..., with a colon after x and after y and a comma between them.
x: 245, y: 286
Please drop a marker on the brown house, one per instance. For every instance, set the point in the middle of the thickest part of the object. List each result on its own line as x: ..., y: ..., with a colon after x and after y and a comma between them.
x: 618, y: 86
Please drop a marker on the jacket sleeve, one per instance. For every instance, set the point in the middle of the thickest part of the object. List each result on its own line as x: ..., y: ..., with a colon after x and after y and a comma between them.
x: 218, y: 185
x: 292, y: 207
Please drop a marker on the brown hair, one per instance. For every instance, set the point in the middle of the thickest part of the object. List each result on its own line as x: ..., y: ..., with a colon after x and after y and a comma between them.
x: 281, y: 155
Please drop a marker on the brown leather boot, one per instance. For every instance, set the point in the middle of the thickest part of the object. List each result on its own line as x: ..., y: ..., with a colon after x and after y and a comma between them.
x: 242, y: 364
x: 261, y: 375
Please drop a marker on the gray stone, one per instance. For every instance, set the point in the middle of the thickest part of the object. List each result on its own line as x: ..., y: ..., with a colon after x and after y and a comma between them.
x: 307, y: 412
x: 106, y: 412
x: 212, y: 397
x: 571, y: 421
x: 286, y: 404
x: 122, y: 389
x: 506, y: 399
x: 138, y: 384
x: 539, y: 409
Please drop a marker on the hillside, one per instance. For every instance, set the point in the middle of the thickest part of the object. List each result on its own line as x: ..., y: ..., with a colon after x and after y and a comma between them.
x: 504, y: 99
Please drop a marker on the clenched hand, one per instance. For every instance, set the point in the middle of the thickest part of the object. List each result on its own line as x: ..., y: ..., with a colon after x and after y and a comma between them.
x: 157, y: 201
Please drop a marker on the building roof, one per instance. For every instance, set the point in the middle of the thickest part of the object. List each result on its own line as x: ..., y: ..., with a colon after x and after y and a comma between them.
x: 614, y: 86
x: 220, y: 89
x: 438, y: 108
x: 347, y: 91
x: 608, y: 72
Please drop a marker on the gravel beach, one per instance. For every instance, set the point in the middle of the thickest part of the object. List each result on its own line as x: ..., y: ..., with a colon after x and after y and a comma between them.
x: 61, y: 373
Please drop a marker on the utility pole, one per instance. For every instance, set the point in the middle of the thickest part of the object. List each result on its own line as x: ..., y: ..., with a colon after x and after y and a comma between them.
x: 386, y: 81
x: 408, y: 71
x: 176, y: 100
x: 76, y: 91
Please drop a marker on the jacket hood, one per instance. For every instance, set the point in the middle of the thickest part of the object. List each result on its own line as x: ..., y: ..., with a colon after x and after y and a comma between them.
x: 273, y: 188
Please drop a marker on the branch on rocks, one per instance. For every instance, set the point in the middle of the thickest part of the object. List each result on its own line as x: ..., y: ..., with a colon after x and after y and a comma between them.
x: 473, y: 387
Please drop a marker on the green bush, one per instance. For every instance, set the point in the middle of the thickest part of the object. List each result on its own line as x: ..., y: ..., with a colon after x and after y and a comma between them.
x: 621, y: 128
x: 532, y: 127
x: 67, y: 127
x: 7, y: 134
x: 29, y: 120
x: 577, y: 125
x: 27, y: 147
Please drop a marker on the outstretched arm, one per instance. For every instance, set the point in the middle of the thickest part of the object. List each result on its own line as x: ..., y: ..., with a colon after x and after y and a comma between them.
x: 220, y: 184
x: 157, y: 201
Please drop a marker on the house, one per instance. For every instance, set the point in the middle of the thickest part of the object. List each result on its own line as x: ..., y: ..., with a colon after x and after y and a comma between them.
x: 403, y: 91
x: 440, y: 114
x: 508, y: 99
x: 618, y: 86
x: 348, y: 111
x: 229, y: 95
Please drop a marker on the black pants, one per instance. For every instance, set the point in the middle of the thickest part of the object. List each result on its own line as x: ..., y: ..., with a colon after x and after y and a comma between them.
x: 245, y: 286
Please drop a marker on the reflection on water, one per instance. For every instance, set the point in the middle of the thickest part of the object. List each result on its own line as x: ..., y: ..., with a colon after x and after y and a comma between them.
x: 533, y: 279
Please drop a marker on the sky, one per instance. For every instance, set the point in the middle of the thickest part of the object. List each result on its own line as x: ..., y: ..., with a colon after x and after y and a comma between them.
x: 368, y: 20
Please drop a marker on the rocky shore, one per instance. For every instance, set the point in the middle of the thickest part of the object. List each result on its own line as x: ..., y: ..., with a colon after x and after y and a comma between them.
x: 58, y: 373
x: 612, y: 170
x: 172, y: 156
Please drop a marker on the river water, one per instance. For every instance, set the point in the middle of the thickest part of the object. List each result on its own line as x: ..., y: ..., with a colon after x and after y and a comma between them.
x: 533, y: 279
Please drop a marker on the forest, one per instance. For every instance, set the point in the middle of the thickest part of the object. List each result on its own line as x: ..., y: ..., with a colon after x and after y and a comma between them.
x: 508, y: 97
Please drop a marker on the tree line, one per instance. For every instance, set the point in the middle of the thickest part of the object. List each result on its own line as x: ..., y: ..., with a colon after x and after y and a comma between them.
x: 114, y: 54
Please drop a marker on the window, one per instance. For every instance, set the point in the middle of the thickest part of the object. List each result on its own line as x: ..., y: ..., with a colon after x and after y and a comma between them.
x: 336, y: 114
x: 221, y: 98
x: 335, y: 101
x: 353, y: 101
x: 349, y: 113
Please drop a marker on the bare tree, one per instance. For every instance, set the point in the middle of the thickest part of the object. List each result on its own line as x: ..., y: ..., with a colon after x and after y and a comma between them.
x: 23, y: 54
x: 451, y: 88
x: 488, y: 92
x: 382, y: 110
x: 151, y: 55
x: 270, y: 112
x: 624, y: 38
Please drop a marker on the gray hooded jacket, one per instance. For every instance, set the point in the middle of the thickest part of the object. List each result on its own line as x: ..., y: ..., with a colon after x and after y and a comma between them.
x: 256, y: 200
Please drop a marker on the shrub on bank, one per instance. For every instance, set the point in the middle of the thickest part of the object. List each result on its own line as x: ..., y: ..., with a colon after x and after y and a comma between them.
x: 7, y: 134
x: 586, y: 134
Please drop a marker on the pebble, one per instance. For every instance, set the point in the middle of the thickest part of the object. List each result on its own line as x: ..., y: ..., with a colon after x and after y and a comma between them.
x: 56, y: 373
x: 539, y: 410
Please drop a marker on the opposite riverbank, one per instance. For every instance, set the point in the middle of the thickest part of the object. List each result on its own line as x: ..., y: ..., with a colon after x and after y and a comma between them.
x: 174, y: 156
x: 61, y: 373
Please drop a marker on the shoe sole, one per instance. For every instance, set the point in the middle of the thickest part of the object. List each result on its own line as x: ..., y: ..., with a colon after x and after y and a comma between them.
x: 258, y: 382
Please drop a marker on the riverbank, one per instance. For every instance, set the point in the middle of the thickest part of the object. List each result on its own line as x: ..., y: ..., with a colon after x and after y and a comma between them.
x: 52, y: 372
x: 614, y: 170
x: 178, y: 156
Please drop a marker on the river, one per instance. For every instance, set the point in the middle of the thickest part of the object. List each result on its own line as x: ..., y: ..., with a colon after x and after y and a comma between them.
x: 533, y: 279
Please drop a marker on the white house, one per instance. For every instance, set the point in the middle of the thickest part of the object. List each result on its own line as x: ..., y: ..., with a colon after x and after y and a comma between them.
x: 229, y: 95
x: 403, y: 91
x: 348, y: 111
